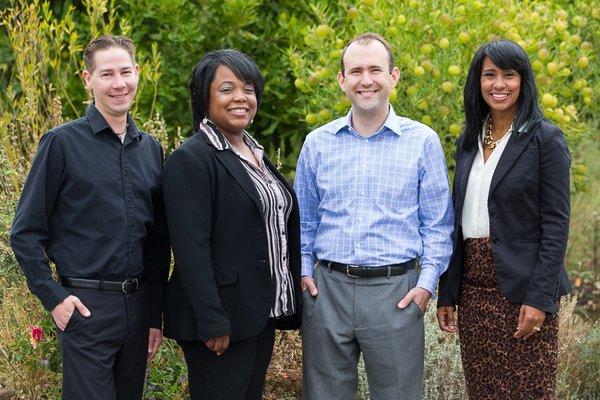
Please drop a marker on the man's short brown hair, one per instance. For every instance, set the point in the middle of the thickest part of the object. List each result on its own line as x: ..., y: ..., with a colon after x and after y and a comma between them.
x: 106, y: 42
x: 366, y: 38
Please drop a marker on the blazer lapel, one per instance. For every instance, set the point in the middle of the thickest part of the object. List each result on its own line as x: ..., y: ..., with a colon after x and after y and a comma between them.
x: 515, y: 146
x: 236, y: 169
x: 230, y: 161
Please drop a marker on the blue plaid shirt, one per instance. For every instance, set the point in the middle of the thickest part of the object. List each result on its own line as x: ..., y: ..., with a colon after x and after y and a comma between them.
x: 375, y: 201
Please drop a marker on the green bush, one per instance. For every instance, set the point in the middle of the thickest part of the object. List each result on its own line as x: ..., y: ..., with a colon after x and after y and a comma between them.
x: 167, y: 374
x: 43, y: 82
x: 297, y: 45
x: 434, y: 42
x: 583, y: 251
x: 34, y: 372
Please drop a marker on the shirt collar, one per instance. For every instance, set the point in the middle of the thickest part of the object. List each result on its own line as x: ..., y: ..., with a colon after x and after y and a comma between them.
x: 220, y: 142
x: 392, y: 123
x: 99, y: 124
x: 527, y: 125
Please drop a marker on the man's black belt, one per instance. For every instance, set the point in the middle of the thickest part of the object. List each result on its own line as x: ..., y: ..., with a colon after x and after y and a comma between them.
x: 357, y: 271
x: 126, y: 286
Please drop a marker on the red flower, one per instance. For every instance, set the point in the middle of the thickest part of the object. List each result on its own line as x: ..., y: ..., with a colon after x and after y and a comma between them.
x: 36, y: 335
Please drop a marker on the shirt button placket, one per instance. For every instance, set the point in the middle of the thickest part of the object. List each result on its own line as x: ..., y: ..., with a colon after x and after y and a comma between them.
x: 130, y: 210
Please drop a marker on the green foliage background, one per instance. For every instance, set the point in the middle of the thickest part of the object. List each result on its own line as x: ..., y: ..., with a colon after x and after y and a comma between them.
x: 297, y: 44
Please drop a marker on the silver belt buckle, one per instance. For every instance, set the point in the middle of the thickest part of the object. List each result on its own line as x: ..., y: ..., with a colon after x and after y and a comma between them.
x: 348, y: 266
x: 128, y: 281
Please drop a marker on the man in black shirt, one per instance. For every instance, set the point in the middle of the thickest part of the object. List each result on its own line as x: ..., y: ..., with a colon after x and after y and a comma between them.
x: 92, y: 204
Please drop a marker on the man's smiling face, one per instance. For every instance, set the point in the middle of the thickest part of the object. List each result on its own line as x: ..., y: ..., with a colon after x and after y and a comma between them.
x: 367, y: 79
x: 113, y: 80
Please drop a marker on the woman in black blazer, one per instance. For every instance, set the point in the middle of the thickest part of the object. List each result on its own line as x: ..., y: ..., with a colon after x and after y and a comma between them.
x: 511, y: 200
x: 234, y: 226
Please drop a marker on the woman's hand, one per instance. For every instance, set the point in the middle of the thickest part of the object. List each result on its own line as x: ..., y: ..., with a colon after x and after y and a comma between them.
x: 446, y: 316
x: 530, y: 321
x: 218, y: 344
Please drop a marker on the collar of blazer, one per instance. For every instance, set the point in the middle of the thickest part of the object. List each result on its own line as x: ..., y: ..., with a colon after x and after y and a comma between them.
x: 515, y: 146
x: 225, y: 155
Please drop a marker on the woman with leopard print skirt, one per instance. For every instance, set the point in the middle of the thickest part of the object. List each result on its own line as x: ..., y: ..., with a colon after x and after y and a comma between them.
x: 511, y: 200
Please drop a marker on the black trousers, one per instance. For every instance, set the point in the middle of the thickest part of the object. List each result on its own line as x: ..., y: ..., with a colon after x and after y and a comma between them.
x: 104, y: 355
x: 237, y: 374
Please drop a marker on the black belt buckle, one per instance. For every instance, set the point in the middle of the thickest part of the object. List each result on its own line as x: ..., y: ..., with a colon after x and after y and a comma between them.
x: 129, y: 285
x: 348, y: 266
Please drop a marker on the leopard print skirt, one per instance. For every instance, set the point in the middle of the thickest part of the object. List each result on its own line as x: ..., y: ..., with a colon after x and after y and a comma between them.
x: 496, y: 365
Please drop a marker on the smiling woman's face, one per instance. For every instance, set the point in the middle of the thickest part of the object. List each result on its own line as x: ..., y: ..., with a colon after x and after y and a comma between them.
x: 232, y: 103
x: 500, y: 88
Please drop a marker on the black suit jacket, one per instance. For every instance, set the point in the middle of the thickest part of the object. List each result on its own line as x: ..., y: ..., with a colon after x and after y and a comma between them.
x: 528, y: 207
x: 221, y: 283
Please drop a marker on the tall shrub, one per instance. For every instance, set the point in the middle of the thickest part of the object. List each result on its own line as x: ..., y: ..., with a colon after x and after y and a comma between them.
x: 44, y: 79
x: 434, y: 42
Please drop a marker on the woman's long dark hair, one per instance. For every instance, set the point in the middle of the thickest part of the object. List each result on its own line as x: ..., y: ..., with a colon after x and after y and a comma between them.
x: 204, y: 72
x: 505, y: 54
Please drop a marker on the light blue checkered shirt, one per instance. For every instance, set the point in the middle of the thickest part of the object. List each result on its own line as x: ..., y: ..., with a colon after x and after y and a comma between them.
x: 375, y: 201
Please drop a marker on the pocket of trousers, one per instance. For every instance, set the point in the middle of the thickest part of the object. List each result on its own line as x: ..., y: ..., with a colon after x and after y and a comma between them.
x: 412, y: 282
x: 421, y: 314
x: 75, y: 316
x: 308, y: 302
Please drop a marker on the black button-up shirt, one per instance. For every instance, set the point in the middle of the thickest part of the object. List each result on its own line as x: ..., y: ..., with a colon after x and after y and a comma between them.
x: 93, y: 205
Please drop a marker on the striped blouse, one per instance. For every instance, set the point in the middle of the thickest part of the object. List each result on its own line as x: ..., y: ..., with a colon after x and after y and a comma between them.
x: 276, y: 208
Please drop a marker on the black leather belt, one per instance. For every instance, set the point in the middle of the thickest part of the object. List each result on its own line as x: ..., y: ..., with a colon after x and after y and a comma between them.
x: 356, y: 271
x: 126, y: 286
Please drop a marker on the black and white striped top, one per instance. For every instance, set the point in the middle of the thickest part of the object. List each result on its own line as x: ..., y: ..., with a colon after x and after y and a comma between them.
x: 276, y: 208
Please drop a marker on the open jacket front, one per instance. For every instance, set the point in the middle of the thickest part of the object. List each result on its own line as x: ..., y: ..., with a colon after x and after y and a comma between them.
x: 221, y: 283
x: 528, y: 208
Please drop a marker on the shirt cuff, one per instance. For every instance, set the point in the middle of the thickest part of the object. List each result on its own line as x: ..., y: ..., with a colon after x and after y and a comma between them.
x: 51, y: 294
x: 308, y: 265
x: 428, y: 279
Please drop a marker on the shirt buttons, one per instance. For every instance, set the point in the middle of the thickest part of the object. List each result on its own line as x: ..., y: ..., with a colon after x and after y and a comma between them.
x: 362, y: 193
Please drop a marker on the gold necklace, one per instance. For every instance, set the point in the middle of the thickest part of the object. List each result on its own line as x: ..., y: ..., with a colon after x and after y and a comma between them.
x: 488, y: 139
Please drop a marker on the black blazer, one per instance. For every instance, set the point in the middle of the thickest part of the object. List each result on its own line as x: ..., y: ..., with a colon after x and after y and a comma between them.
x: 221, y: 283
x: 528, y: 206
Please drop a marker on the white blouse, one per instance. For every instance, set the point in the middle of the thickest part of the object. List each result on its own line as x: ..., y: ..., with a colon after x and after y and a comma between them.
x: 475, y: 219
